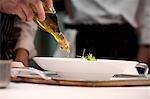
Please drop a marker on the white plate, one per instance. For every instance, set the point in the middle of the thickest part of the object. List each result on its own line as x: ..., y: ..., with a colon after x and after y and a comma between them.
x: 77, y: 68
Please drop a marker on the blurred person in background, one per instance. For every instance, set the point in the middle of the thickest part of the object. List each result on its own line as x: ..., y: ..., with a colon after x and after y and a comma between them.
x: 114, y: 29
x: 16, y: 39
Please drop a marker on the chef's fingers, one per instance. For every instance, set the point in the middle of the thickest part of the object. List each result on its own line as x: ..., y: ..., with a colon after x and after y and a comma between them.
x: 37, y: 5
x: 50, y: 3
x: 27, y: 11
x: 19, y: 11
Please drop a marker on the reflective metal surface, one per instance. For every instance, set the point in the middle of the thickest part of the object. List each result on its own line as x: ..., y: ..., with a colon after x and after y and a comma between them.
x: 4, y: 73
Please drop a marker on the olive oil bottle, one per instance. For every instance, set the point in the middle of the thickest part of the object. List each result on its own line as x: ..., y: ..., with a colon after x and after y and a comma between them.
x: 50, y: 25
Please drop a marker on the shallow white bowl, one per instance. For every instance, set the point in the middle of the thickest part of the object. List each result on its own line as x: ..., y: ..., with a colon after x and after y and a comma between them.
x: 77, y: 68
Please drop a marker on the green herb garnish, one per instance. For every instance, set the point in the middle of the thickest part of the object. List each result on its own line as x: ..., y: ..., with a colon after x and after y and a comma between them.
x: 89, y: 57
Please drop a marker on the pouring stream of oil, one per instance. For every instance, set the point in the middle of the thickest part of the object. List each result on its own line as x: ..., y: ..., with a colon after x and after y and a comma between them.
x: 50, y: 25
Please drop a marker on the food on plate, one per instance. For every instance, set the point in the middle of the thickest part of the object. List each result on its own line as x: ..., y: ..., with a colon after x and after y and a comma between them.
x: 89, y: 57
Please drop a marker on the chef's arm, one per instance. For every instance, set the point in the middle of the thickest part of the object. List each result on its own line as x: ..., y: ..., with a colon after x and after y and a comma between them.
x: 25, y: 48
x: 144, y: 32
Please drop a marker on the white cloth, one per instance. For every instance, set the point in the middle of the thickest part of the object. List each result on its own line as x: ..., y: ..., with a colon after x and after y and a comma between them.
x: 40, y: 91
x: 115, y: 11
x: 26, y: 39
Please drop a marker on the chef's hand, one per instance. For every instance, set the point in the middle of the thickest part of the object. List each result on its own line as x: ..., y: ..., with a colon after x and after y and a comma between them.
x: 144, y: 54
x: 23, y: 9
x: 22, y: 55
